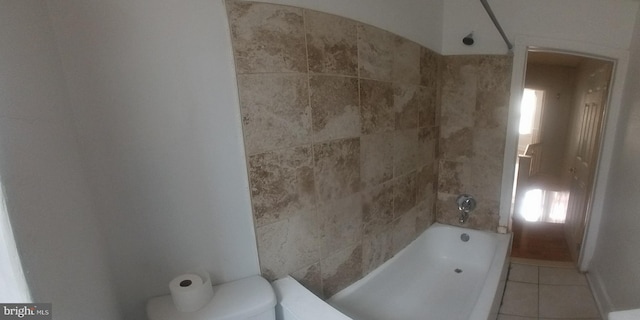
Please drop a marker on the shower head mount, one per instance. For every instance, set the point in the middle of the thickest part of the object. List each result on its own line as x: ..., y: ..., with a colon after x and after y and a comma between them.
x: 468, y: 40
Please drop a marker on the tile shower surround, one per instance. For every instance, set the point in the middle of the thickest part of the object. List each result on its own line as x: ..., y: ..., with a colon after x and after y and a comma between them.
x: 473, y: 125
x: 341, y: 129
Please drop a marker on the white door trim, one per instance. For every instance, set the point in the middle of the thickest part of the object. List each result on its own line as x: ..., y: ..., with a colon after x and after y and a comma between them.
x: 620, y: 58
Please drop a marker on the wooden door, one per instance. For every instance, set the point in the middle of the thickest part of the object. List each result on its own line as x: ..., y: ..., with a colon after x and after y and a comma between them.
x: 584, y: 164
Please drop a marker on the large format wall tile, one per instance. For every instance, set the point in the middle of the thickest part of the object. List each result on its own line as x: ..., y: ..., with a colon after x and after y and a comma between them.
x: 407, y: 101
x: 375, y: 53
x: 406, y: 149
x: 341, y: 223
x: 495, y: 73
x: 459, y: 92
x: 377, y: 208
x: 427, y: 145
x: 426, y: 180
x: 341, y: 269
x: 332, y: 44
x: 281, y: 183
x: 267, y: 38
x: 430, y: 68
x: 405, y: 67
x: 404, y: 230
x: 288, y: 245
x: 376, y: 158
x: 376, y: 106
x: 337, y: 168
x: 456, y: 143
x: 487, y: 146
x: 275, y: 111
x: 425, y: 214
x: 447, y: 210
x: 376, y: 249
x: 427, y: 109
x: 473, y: 121
x: 492, y: 108
x: 453, y: 177
x: 355, y: 135
x: 335, y: 107
x: 404, y: 194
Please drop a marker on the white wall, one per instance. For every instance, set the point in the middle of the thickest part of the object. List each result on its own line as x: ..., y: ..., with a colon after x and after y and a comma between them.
x: 558, y: 84
x: 155, y: 104
x: 417, y: 20
x: 615, y: 264
x: 62, y: 251
x: 605, y: 23
x: 441, y: 25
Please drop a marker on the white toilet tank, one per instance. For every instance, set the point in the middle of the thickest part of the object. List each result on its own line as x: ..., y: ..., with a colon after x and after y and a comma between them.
x: 250, y: 298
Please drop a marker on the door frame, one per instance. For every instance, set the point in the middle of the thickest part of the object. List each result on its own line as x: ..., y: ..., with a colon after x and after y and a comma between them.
x: 620, y: 59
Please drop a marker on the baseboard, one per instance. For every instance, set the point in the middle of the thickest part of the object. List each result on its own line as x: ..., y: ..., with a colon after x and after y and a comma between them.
x: 603, y: 301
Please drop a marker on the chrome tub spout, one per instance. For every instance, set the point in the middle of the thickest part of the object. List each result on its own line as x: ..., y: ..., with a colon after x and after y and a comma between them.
x: 466, y: 203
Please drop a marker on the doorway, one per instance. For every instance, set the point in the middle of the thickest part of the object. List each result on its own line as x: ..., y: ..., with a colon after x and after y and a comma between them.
x: 561, y: 125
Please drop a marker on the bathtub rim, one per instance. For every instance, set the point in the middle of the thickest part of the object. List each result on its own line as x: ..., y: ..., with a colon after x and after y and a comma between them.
x: 295, y: 302
x: 495, y: 281
x: 483, y: 308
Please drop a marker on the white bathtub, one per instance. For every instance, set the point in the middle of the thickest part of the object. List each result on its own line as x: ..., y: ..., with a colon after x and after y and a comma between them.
x: 437, y: 277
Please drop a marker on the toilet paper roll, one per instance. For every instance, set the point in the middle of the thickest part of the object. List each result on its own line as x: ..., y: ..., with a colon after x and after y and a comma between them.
x: 191, y: 291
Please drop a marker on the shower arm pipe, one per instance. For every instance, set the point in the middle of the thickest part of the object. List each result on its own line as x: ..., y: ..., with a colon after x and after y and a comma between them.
x: 486, y: 6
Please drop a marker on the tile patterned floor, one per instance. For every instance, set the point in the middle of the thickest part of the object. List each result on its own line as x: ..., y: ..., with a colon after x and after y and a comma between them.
x: 544, y: 293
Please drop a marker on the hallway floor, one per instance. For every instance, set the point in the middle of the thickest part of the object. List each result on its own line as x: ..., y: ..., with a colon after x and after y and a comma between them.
x: 537, y: 292
x: 539, y: 240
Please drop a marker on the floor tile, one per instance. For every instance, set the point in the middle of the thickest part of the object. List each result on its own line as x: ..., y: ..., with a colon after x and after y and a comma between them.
x: 520, y: 299
x: 570, y: 318
x: 523, y: 273
x: 562, y: 276
x: 566, y: 302
x: 509, y: 317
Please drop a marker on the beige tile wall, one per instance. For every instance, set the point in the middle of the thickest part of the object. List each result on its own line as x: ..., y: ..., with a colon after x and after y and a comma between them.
x: 341, y: 128
x: 475, y: 103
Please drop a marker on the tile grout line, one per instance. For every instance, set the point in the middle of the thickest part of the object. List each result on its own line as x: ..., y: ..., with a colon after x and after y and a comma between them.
x: 539, y: 304
x: 316, y: 196
x: 539, y: 291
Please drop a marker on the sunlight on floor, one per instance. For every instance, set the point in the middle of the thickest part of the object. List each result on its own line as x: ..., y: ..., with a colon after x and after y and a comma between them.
x: 545, y: 206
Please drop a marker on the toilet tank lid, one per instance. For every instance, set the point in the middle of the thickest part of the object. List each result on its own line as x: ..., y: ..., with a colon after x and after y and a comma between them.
x: 625, y: 315
x: 238, y: 299
x: 243, y: 298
